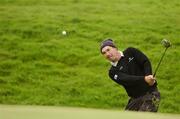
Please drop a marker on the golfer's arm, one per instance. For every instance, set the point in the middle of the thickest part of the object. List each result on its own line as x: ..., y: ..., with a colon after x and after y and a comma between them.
x: 147, y: 68
x: 126, y: 79
x: 143, y: 61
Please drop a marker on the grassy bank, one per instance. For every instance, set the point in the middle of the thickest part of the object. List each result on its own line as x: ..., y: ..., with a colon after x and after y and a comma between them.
x: 40, y: 66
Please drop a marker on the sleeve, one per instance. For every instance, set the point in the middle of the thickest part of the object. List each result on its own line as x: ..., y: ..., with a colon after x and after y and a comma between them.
x: 125, y: 79
x: 142, y: 60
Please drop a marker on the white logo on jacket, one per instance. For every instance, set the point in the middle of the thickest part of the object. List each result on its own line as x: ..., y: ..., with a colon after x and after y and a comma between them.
x: 115, y: 76
x: 130, y: 59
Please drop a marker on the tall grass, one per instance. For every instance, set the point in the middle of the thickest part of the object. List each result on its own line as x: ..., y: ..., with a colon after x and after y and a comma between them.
x: 40, y: 66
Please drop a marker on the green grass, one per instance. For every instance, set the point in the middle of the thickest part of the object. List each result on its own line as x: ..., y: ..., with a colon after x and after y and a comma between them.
x: 40, y: 66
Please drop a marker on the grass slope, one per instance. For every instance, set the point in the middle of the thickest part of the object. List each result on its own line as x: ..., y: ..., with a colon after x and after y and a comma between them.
x: 40, y: 66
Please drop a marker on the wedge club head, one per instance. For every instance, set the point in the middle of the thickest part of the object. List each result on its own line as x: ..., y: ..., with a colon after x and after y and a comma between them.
x: 166, y: 43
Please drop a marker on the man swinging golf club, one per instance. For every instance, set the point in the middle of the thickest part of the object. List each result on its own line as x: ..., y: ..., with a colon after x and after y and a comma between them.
x: 132, y: 69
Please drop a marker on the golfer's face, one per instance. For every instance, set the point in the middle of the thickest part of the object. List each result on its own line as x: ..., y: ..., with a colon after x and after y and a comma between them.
x: 109, y: 53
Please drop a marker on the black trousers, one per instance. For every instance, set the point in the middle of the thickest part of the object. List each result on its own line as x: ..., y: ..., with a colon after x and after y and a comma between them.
x: 149, y: 102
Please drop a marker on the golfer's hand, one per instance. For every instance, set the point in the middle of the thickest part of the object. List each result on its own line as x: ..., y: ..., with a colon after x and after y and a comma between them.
x: 150, y: 79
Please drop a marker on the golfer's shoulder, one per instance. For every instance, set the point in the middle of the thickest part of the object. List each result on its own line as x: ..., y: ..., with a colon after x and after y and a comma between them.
x: 112, y: 71
x: 112, y: 68
x: 130, y: 49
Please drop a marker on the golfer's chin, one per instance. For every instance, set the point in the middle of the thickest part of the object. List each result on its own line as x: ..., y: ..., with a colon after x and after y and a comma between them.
x: 111, y: 59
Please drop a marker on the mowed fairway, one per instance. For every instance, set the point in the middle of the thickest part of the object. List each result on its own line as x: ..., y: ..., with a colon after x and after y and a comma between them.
x: 45, y: 112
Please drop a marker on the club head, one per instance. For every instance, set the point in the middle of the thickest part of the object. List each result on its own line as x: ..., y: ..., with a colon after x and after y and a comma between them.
x: 166, y: 43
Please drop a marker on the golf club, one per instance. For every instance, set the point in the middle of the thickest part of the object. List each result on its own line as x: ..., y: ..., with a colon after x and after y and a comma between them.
x: 166, y: 44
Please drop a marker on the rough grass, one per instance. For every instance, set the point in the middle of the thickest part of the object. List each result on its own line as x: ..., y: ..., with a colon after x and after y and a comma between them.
x: 40, y: 66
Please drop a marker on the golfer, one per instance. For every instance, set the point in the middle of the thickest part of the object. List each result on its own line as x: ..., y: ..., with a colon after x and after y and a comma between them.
x: 132, y: 69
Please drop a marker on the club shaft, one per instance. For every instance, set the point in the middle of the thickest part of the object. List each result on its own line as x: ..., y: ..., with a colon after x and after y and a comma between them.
x: 160, y: 62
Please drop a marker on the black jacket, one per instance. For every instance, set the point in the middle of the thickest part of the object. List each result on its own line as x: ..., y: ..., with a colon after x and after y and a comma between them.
x: 130, y: 72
